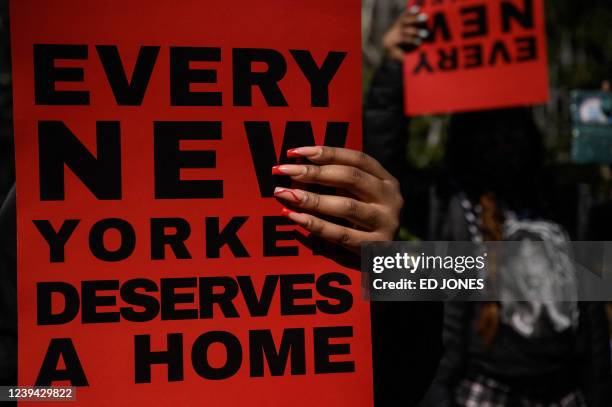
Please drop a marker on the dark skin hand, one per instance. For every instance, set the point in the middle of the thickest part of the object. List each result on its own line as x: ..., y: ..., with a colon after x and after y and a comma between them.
x: 373, y: 207
x: 406, y: 34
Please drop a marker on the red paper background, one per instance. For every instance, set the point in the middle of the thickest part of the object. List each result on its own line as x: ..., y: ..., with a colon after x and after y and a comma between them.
x: 106, y: 350
x: 514, y: 84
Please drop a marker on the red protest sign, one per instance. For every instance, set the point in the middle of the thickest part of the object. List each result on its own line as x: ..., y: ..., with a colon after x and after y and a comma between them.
x: 154, y: 267
x: 480, y: 55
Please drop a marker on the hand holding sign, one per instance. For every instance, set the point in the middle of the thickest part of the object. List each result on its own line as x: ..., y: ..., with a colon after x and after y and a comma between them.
x: 374, y: 211
x: 406, y: 33
x: 147, y: 150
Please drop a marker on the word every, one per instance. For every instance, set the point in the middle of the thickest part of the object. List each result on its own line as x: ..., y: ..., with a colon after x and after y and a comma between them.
x: 477, y: 43
x: 251, y: 67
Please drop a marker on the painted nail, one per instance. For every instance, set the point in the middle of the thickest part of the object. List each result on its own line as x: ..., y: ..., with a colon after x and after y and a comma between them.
x: 422, y: 17
x: 291, y: 195
x: 304, y: 151
x: 298, y: 218
x: 423, y: 33
x: 414, y: 9
x: 288, y: 169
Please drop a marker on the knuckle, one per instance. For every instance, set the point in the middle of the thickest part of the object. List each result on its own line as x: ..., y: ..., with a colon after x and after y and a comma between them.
x: 351, y: 207
x: 316, y: 226
x: 388, y: 222
x: 355, y: 175
x: 362, y: 158
x: 392, y: 221
x: 325, y: 153
x: 315, y: 200
x: 306, y: 201
x: 344, y: 237
x: 400, y: 202
x: 309, y: 224
x: 396, y: 200
x: 394, y: 226
x: 372, y: 220
x: 312, y: 171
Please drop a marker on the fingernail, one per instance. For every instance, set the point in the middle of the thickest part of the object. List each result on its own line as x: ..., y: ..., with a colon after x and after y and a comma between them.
x: 290, y: 170
x: 423, y: 33
x: 292, y: 195
x: 304, y: 151
x: 422, y: 17
x: 298, y: 218
x: 414, y: 9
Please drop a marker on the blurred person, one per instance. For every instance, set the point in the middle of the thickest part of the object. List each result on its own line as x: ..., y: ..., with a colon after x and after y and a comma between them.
x: 528, y: 353
x: 376, y: 16
x: 503, y: 353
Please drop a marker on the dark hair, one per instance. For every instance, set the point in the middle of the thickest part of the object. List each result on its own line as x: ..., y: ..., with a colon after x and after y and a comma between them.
x: 493, y: 156
x: 499, y: 151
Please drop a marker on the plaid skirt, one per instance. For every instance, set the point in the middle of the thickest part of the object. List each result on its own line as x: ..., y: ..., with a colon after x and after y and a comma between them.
x: 482, y: 391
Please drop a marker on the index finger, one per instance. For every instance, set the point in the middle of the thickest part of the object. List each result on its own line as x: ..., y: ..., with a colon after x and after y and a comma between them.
x: 413, y: 19
x: 342, y: 156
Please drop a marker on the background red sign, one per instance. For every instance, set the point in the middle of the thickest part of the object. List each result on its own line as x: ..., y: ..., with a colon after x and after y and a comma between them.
x: 106, y: 350
x: 481, y: 55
